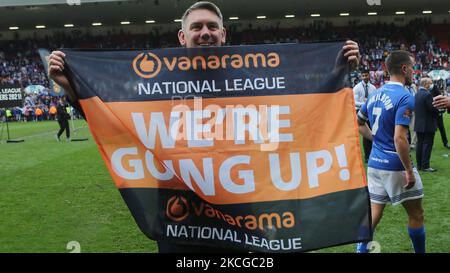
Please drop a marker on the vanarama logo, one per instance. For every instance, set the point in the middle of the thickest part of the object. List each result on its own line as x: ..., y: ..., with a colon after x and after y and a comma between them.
x: 178, y: 210
x: 148, y: 65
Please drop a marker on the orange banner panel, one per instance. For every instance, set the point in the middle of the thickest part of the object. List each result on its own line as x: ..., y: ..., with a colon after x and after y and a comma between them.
x: 314, y: 151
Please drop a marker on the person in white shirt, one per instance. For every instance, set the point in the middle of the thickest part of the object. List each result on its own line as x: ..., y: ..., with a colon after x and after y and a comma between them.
x: 361, y: 91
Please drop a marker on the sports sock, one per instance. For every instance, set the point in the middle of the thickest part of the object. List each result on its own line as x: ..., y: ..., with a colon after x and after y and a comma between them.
x: 363, y: 233
x: 362, y: 247
x: 417, y: 236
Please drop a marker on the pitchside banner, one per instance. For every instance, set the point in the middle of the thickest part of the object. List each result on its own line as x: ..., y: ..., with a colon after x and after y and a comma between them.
x: 11, y: 96
x: 247, y: 147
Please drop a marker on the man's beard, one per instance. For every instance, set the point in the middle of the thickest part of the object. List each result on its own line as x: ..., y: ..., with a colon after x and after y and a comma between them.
x: 408, y: 81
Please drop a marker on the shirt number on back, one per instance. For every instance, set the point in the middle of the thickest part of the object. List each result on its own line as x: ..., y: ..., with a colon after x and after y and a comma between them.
x: 376, y: 111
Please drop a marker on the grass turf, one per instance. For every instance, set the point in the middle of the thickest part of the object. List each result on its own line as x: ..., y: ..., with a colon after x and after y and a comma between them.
x: 57, y: 192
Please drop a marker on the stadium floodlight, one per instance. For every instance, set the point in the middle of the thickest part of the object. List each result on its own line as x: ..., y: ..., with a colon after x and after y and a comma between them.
x: 234, y: 18
x: 150, y: 21
x: 40, y: 26
x: 372, y: 13
x: 400, y: 12
x: 177, y: 20
x: 96, y: 24
x: 344, y: 14
x: 125, y: 23
x: 427, y: 12
x: 315, y: 15
x: 261, y: 17
x: 68, y: 25
x: 13, y: 28
x: 289, y: 16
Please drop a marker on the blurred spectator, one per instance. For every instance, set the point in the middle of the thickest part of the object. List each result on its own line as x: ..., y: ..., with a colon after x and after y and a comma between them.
x: 425, y: 124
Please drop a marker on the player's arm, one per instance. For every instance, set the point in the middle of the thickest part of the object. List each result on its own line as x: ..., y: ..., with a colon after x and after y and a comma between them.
x: 402, y: 148
x: 55, y: 71
x: 363, y: 129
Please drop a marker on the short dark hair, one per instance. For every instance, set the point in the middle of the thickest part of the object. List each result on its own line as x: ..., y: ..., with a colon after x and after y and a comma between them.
x: 365, y: 71
x: 396, y: 60
x: 202, y: 5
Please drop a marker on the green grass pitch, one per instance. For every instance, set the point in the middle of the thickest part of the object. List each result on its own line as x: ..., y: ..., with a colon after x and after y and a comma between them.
x: 53, y: 193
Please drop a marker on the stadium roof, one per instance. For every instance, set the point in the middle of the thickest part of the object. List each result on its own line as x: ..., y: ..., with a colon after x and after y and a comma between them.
x: 112, y: 12
x: 6, y: 3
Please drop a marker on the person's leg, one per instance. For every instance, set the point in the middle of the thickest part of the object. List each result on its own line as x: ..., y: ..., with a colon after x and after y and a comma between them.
x: 61, y: 129
x: 411, y: 200
x: 378, y: 199
x: 413, y: 133
x: 427, y: 148
x: 419, y: 150
x: 367, y: 145
x: 413, y: 139
x: 416, y: 228
x: 66, y: 125
x: 377, y: 213
x: 441, y: 127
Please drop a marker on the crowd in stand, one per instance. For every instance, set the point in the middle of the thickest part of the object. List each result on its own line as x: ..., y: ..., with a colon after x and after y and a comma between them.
x: 21, y: 64
x: 377, y: 41
x: 37, y: 107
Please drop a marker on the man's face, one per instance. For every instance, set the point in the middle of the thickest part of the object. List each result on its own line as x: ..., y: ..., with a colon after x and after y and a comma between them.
x: 202, y: 28
x: 365, y: 77
x: 409, y: 72
x: 427, y: 84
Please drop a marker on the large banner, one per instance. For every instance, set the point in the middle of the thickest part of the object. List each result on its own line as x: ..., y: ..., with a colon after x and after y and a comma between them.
x: 11, y: 95
x: 247, y: 147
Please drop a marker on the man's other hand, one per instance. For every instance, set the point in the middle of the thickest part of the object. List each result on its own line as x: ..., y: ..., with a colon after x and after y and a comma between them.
x: 441, y: 102
x: 56, y: 68
x: 351, y: 52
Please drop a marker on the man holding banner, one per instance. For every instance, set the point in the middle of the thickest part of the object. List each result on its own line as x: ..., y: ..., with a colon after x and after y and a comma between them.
x: 391, y: 175
x: 170, y: 199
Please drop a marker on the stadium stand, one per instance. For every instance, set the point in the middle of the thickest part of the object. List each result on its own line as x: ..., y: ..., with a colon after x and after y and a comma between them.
x: 21, y: 64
